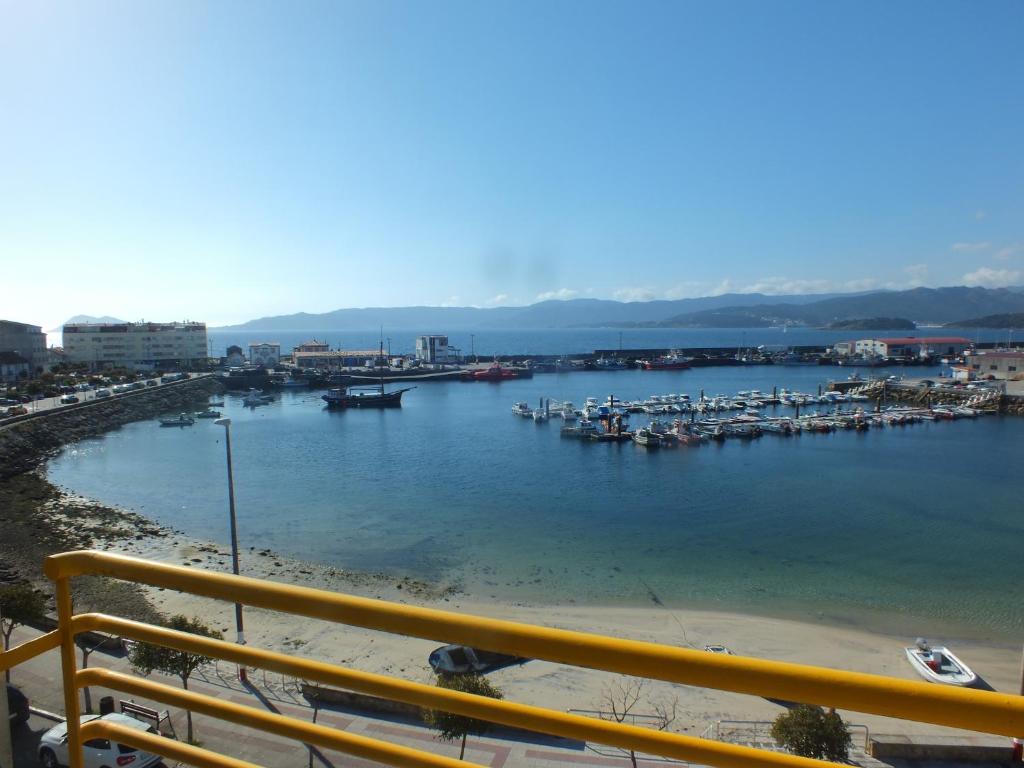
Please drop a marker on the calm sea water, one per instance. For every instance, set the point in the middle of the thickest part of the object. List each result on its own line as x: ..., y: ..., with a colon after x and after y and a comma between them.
x: 916, y: 529
x: 578, y: 340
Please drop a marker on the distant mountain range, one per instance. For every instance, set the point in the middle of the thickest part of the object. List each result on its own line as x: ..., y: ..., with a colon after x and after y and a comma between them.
x: 1009, y: 320
x: 85, y: 319
x: 926, y: 306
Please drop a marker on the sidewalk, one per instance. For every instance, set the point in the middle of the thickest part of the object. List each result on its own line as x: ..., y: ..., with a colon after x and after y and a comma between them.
x: 40, y: 680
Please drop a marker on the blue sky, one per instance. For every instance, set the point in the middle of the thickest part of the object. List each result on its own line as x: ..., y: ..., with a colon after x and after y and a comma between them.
x: 222, y: 161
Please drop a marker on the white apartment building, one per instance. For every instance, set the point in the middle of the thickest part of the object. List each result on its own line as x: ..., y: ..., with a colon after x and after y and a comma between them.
x: 265, y: 354
x: 140, y: 346
x: 25, y: 340
x: 434, y: 349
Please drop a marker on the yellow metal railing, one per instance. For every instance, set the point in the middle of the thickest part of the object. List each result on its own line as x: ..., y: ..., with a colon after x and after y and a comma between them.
x: 985, y: 711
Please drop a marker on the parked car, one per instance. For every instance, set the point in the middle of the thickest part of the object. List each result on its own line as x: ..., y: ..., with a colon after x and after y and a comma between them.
x: 68, y: 399
x: 17, y: 705
x: 102, y: 392
x: 98, y: 753
x: 17, y: 410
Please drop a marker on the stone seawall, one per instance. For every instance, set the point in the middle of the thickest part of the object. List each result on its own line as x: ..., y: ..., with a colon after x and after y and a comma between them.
x: 27, y: 441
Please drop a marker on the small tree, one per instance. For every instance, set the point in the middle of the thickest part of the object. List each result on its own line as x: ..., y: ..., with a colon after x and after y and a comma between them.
x: 619, y: 699
x: 146, y: 658
x: 810, y: 731
x: 450, y: 726
x: 19, y: 604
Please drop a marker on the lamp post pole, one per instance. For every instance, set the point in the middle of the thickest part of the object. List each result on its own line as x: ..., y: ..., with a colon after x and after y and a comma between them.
x: 239, y: 627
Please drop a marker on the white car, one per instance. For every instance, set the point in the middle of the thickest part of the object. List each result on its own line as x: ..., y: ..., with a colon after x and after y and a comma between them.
x: 98, y: 753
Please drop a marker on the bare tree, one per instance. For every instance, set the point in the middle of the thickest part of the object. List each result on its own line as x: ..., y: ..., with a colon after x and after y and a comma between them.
x: 620, y: 699
x: 19, y: 604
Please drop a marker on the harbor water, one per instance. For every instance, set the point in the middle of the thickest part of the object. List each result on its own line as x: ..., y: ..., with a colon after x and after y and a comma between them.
x: 916, y: 529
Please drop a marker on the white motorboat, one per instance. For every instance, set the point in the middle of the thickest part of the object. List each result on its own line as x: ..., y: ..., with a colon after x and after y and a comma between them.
x: 522, y: 409
x: 718, y: 648
x: 938, y: 664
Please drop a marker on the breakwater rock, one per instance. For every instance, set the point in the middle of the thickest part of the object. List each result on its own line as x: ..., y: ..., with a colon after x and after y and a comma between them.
x: 28, y: 440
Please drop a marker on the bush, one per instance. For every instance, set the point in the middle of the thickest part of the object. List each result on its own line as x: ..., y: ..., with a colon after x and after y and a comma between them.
x: 810, y: 731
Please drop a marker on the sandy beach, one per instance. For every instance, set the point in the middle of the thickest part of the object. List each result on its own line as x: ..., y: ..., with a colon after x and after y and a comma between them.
x: 538, y: 682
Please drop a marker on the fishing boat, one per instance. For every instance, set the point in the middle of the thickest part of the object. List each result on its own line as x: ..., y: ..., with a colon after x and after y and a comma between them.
x: 610, y: 364
x: 670, y: 362
x: 497, y: 373
x: 208, y: 414
x: 364, y: 397
x: 938, y: 664
x: 182, y: 420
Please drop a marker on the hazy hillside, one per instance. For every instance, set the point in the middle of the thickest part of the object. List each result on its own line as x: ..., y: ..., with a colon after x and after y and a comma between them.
x: 1008, y: 320
x: 545, y: 314
x: 922, y: 305
x: 86, y: 319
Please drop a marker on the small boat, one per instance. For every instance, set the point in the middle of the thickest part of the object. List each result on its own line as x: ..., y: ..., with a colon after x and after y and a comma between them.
x: 182, y: 420
x: 253, y: 399
x: 208, y: 414
x: 459, y: 659
x: 646, y: 438
x: 522, y: 409
x: 539, y: 417
x: 938, y: 664
x: 718, y: 648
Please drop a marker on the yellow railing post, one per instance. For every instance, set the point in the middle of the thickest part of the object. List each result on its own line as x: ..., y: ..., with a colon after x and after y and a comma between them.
x: 67, y: 664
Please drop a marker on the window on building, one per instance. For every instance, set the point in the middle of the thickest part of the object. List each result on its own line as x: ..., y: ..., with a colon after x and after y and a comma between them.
x: 1011, y: 368
x: 993, y: 367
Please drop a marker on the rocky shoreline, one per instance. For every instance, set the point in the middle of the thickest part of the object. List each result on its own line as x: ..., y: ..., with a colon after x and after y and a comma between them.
x: 25, y: 444
x: 38, y: 519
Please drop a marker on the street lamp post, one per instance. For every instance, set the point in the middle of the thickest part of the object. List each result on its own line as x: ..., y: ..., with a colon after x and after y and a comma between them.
x: 240, y: 630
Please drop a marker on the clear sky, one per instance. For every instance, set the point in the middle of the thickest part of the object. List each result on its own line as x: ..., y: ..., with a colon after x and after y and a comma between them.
x: 222, y: 161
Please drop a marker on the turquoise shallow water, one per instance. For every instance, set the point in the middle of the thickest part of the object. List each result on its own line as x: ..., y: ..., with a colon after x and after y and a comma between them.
x: 914, y: 529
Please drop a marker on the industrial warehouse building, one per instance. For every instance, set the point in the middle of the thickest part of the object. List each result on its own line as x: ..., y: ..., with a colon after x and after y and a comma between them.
x: 914, y: 346
x: 1000, y: 364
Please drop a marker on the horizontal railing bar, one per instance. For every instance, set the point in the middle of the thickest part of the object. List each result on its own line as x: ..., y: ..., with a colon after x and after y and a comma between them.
x: 28, y: 650
x: 507, y: 713
x: 268, y: 722
x: 985, y: 711
x: 160, y: 745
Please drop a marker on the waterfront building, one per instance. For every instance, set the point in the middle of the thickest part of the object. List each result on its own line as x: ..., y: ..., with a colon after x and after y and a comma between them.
x: 434, y: 350
x: 28, y: 341
x: 336, y: 359
x: 13, y: 368
x: 997, y: 363
x: 139, y: 346
x: 845, y: 348
x: 914, y: 346
x: 264, y: 354
x: 313, y: 346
